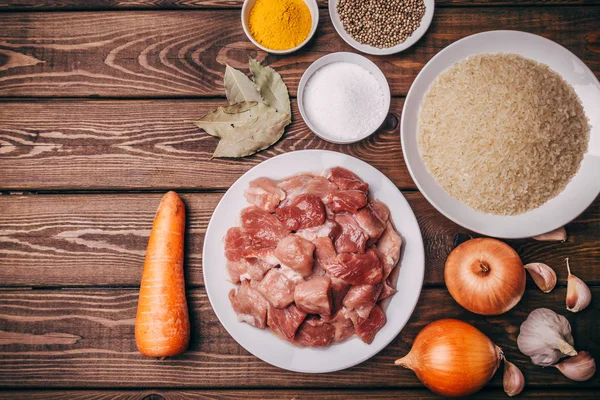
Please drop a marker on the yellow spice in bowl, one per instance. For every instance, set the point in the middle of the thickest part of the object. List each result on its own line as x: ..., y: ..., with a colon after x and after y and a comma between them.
x: 280, y: 24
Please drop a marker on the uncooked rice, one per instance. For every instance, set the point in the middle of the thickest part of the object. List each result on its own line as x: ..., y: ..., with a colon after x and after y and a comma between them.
x: 502, y: 133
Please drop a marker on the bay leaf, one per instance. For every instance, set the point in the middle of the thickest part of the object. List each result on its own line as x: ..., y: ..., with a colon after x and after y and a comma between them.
x: 271, y: 86
x: 238, y: 87
x: 244, y: 128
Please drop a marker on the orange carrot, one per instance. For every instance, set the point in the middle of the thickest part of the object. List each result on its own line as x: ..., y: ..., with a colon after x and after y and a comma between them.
x: 162, y: 325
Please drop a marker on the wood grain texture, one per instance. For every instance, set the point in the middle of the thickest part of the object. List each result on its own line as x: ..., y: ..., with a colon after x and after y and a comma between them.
x: 182, y: 53
x: 51, y: 145
x: 106, y: 356
x: 91, y: 240
x: 274, y: 394
x: 72, y: 5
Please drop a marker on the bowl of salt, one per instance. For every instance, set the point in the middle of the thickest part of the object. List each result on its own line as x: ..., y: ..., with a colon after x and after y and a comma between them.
x: 343, y: 97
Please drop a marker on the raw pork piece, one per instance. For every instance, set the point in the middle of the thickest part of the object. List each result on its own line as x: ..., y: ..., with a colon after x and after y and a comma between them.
x: 352, y: 239
x: 388, y: 247
x: 314, y: 332
x: 285, y: 322
x: 264, y: 193
x: 249, y: 305
x: 314, y: 296
x: 388, y: 290
x: 237, y: 242
x: 369, y: 222
x: 266, y: 230
x: 381, y: 210
x: 329, y: 229
x: 267, y: 255
x: 358, y: 269
x: 306, y: 211
x: 362, y: 299
x: 296, y: 253
x: 247, y: 269
x: 277, y: 288
x: 325, y: 254
x: 344, y: 328
x: 294, y: 186
x: 345, y: 200
x: 345, y: 180
x: 339, y: 289
x: 366, y: 329
x: 321, y: 187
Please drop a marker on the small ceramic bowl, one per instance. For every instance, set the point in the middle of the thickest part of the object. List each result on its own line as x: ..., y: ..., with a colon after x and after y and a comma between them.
x: 314, y: 12
x: 355, y: 59
x: 412, y: 39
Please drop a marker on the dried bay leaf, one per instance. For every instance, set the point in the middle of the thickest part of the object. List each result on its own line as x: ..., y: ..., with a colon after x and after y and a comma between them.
x: 238, y: 87
x: 273, y: 90
x: 244, y: 128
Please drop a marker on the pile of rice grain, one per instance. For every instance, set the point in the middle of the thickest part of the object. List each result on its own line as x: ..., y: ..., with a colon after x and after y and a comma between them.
x: 502, y: 133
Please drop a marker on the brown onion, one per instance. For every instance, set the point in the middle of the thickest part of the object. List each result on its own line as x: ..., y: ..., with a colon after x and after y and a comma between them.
x: 452, y: 358
x: 485, y: 276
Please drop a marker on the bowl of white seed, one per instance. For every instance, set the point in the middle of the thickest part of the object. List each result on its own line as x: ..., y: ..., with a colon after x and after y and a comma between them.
x: 381, y: 28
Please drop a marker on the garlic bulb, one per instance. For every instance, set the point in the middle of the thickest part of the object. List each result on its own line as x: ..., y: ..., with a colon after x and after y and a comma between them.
x: 546, y: 337
x: 578, y: 368
x: 543, y: 276
x: 579, y: 295
x: 513, y: 379
x: 557, y: 235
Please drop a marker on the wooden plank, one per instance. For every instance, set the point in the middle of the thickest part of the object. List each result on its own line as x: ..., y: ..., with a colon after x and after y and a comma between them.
x: 53, y: 145
x: 85, y: 339
x: 182, y: 53
x: 73, y: 5
x: 261, y: 394
x: 91, y: 240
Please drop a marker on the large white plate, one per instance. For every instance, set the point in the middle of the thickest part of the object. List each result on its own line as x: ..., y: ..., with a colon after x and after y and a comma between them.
x: 579, y: 193
x: 263, y: 344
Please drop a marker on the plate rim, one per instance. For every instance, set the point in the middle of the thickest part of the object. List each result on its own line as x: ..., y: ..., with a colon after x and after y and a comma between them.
x: 416, y: 242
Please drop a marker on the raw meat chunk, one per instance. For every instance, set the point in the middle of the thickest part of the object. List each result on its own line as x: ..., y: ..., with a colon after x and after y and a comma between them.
x: 294, y: 186
x: 296, y: 253
x: 388, y: 290
x: 306, y: 211
x: 339, y: 289
x: 266, y: 230
x: 247, y: 269
x: 381, y: 210
x: 320, y: 187
x: 369, y: 222
x: 345, y: 200
x: 358, y: 269
x: 237, y: 241
x: 267, y: 255
x: 344, y: 328
x: 314, y: 332
x: 345, y: 180
x: 249, y: 305
x: 325, y: 254
x: 264, y: 193
x: 329, y: 229
x: 285, y: 322
x: 277, y: 288
x: 314, y: 296
x: 352, y: 239
x: 367, y: 328
x: 362, y: 299
x: 388, y: 247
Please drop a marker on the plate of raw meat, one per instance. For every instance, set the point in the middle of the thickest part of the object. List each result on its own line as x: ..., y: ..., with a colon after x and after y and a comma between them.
x: 313, y: 261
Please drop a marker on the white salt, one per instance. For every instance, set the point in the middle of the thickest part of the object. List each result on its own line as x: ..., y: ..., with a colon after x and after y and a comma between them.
x: 343, y: 100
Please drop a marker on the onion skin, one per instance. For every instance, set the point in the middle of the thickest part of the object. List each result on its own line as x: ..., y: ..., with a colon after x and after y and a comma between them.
x: 485, y: 276
x: 452, y: 358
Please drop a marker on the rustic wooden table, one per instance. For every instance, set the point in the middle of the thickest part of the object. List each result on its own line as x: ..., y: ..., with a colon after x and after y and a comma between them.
x: 95, y: 95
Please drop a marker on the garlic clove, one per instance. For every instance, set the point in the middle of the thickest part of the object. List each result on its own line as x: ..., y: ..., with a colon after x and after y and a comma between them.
x: 557, y: 235
x: 578, y: 368
x: 513, y: 379
x: 579, y: 295
x: 543, y: 276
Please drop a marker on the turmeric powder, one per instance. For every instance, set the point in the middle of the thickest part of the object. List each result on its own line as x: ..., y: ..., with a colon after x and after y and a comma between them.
x: 280, y: 24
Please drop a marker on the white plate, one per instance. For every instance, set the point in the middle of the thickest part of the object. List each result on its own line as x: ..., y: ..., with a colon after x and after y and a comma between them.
x: 262, y: 343
x: 351, y: 58
x: 579, y: 193
x: 412, y: 39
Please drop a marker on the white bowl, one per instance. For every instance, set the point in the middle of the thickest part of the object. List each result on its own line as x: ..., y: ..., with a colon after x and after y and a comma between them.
x: 355, y: 59
x: 412, y: 39
x: 264, y: 344
x: 581, y: 190
x: 314, y: 12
